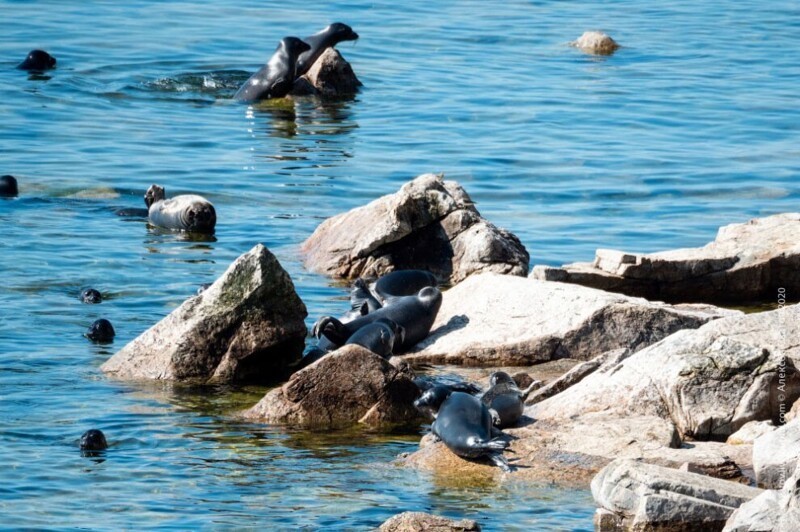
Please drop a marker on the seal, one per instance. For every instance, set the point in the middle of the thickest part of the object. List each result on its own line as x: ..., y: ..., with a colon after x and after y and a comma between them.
x: 379, y: 337
x: 464, y: 424
x: 8, y: 186
x: 93, y: 440
x: 414, y: 313
x: 91, y: 296
x: 38, y: 60
x: 100, y: 331
x: 276, y: 78
x: 360, y: 296
x: 322, y: 40
x: 403, y: 283
x: 504, y: 399
x: 187, y: 212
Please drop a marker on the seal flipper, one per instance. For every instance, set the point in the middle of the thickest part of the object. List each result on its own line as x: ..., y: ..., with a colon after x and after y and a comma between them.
x: 535, y: 385
x: 333, y: 329
x: 496, y: 421
x: 500, y: 461
x: 360, y: 294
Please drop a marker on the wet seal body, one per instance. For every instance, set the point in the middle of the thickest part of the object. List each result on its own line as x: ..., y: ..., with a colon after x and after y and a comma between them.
x: 187, y: 212
x: 415, y: 314
x: 8, y: 186
x: 379, y: 337
x: 319, y: 42
x: 464, y: 425
x: 403, y: 283
x: 38, y: 61
x: 276, y: 78
x: 504, y: 399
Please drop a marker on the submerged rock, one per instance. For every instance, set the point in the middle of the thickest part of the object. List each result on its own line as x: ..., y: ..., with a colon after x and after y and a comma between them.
x: 348, y: 386
x: 429, y: 224
x: 756, y: 260
x: 330, y: 76
x: 498, y: 320
x: 708, y: 382
x: 419, y: 521
x: 637, y: 496
x: 247, y: 326
x: 596, y: 42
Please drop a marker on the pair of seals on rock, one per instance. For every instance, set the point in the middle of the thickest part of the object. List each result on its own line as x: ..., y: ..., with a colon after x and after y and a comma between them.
x: 8, y: 186
x: 464, y: 424
x: 505, y: 400
x: 187, y: 212
x: 38, y: 61
x: 292, y: 58
x: 415, y: 314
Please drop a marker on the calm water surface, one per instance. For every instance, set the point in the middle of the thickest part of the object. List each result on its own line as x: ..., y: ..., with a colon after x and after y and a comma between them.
x: 692, y: 125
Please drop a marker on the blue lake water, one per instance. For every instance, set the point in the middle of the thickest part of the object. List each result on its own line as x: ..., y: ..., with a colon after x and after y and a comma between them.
x: 691, y: 125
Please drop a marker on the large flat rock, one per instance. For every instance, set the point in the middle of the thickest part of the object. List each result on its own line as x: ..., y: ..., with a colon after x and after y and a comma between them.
x: 429, y: 224
x: 638, y: 496
x: 708, y: 382
x: 775, y: 510
x: 247, y: 326
x: 349, y: 386
x: 746, y: 262
x: 496, y: 320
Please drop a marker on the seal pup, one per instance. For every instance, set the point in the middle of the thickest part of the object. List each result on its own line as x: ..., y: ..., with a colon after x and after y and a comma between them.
x: 326, y: 38
x: 276, y: 78
x: 100, y: 331
x: 464, y: 424
x: 8, y: 186
x: 403, y: 283
x: 38, y: 60
x: 504, y: 399
x: 187, y: 212
x: 379, y: 337
x: 414, y: 313
x: 93, y: 440
x: 91, y: 296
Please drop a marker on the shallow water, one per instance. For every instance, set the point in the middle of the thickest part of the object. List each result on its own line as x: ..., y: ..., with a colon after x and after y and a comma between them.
x: 692, y: 125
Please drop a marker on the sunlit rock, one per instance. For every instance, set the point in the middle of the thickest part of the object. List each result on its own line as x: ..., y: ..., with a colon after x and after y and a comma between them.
x: 596, y: 42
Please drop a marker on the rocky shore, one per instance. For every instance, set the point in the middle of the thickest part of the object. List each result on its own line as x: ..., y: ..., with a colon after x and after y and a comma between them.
x: 680, y: 416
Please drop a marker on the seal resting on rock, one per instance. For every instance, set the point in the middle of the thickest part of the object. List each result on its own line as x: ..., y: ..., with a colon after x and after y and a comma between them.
x: 379, y: 337
x: 504, y: 399
x: 414, y: 313
x: 8, y: 186
x: 187, y: 212
x: 38, y: 60
x: 464, y: 424
x: 276, y: 78
x: 319, y: 42
x: 93, y: 440
x: 100, y: 331
x: 403, y: 283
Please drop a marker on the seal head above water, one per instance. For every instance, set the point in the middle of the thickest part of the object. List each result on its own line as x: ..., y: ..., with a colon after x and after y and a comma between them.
x: 187, y: 212
x: 8, y: 186
x: 38, y: 60
x: 93, y: 440
x: 276, y: 78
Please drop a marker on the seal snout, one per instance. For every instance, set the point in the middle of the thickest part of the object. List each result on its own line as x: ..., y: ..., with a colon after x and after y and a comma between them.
x: 201, y: 218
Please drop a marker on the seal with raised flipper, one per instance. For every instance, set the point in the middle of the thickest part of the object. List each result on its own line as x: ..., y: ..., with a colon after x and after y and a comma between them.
x: 379, y: 337
x: 322, y: 40
x: 276, y: 78
x: 464, y: 425
x: 504, y: 399
x: 415, y: 314
x: 187, y: 212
